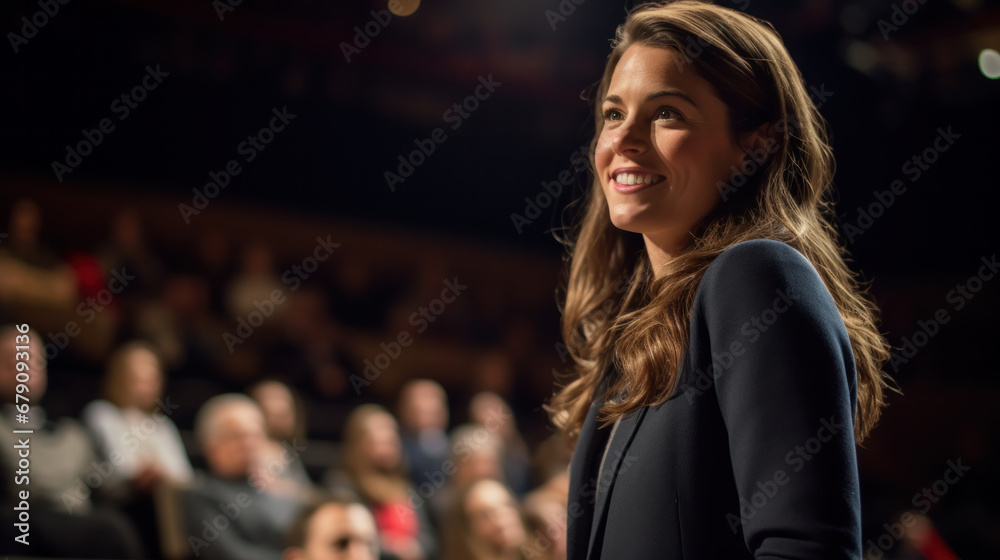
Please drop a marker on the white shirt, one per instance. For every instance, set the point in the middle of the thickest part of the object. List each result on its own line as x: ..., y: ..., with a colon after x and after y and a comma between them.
x: 137, y: 438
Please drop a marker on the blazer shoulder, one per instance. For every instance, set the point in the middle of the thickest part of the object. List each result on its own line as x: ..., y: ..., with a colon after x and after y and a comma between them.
x: 759, y: 262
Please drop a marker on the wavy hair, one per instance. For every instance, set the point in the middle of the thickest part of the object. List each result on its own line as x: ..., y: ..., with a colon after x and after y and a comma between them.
x: 615, y: 313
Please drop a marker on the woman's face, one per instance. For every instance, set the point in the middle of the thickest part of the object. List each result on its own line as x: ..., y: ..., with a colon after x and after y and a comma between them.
x: 381, y: 444
x: 665, y: 144
x: 144, y: 380
x: 494, y: 517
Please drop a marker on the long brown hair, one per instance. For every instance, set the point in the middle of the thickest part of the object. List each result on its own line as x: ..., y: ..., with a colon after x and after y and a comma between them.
x: 374, y: 485
x: 616, y: 313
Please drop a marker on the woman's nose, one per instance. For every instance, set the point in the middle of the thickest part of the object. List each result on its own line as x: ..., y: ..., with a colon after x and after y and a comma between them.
x: 628, y: 139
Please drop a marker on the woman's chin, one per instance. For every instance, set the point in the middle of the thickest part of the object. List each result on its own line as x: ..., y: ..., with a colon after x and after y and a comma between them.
x: 635, y: 222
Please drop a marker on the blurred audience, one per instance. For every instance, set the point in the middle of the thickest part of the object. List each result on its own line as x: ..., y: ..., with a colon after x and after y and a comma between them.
x: 284, y: 424
x: 132, y: 420
x: 476, y: 453
x: 31, y: 274
x: 423, y: 417
x: 227, y: 517
x: 255, y: 281
x: 127, y: 250
x: 492, y: 412
x: 373, y: 468
x: 54, y: 476
x: 485, y: 523
x: 133, y: 430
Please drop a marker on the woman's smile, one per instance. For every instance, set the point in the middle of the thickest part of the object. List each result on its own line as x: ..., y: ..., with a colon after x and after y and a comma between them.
x: 627, y: 180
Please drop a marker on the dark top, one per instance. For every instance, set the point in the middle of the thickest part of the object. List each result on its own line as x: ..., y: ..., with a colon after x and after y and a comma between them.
x: 753, y: 455
x: 228, y: 519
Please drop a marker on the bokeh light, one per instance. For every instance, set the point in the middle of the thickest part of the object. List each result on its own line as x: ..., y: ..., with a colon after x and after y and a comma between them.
x: 989, y: 63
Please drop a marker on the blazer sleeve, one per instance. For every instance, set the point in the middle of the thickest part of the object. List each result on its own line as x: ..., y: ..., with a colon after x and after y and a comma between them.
x: 785, y: 381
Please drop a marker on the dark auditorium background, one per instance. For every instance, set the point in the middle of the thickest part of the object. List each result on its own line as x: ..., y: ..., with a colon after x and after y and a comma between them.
x: 371, y: 164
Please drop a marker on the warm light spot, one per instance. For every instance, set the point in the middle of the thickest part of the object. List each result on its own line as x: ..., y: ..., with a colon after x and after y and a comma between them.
x: 403, y: 7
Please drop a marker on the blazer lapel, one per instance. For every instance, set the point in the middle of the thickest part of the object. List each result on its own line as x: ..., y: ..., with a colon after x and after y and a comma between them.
x: 582, y: 472
x: 615, y: 457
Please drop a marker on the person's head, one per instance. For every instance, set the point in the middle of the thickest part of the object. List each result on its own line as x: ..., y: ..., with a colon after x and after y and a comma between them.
x: 705, y: 136
x: 706, y: 103
x: 371, y: 440
x: 230, y: 430
x: 490, y: 410
x: 486, y: 521
x: 134, y: 377
x: 282, y: 412
x: 477, y: 453
x: 334, y: 529
x: 423, y: 405
x: 35, y: 379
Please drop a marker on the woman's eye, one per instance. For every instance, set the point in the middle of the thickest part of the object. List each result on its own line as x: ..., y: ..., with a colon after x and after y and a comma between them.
x: 668, y: 113
x: 612, y: 115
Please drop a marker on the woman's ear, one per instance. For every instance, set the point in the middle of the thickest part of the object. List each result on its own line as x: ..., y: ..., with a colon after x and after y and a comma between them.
x: 759, y: 144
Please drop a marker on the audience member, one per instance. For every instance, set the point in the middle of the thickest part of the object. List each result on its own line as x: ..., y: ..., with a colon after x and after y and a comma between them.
x: 132, y: 420
x: 284, y: 423
x: 133, y: 430
x: 484, y: 523
x: 333, y: 529
x: 491, y: 411
x: 63, y: 474
x: 31, y: 274
x: 423, y: 415
x: 226, y: 516
x: 374, y: 469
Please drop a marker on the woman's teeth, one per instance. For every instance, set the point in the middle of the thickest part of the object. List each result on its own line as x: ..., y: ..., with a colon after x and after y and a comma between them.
x: 633, y: 179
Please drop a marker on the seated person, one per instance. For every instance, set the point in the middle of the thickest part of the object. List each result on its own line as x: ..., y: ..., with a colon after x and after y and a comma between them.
x: 132, y: 404
x: 133, y: 430
x: 63, y: 475
x: 334, y: 529
x: 227, y: 517
x: 423, y: 419
x: 284, y: 425
x: 373, y: 469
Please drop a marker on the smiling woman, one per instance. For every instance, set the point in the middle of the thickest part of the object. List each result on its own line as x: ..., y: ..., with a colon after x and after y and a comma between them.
x: 710, y: 201
x: 673, y: 125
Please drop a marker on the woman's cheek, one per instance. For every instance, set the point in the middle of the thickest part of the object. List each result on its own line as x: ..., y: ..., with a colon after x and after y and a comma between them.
x: 603, y: 152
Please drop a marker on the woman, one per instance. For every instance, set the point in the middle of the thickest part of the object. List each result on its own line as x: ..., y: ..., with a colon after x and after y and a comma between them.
x: 131, y: 423
x: 374, y: 469
x: 726, y: 358
x: 133, y: 430
x: 485, y: 523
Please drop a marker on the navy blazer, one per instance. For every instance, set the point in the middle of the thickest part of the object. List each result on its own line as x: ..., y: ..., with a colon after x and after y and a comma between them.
x: 753, y: 455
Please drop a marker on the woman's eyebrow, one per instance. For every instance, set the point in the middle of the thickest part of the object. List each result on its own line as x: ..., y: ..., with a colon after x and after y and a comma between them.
x: 655, y: 95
